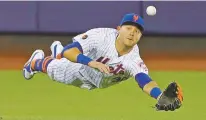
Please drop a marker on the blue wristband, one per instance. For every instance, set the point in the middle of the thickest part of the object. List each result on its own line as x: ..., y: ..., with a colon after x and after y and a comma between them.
x: 83, y: 59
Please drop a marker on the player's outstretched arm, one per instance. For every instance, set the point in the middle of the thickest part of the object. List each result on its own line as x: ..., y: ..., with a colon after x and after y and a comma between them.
x: 74, y: 53
x: 148, y: 85
x: 170, y: 99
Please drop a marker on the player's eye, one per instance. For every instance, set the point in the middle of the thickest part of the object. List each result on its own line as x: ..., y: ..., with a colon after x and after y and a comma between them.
x: 138, y: 31
x: 135, y: 31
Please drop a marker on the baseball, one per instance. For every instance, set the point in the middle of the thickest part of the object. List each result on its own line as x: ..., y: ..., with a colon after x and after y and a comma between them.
x: 151, y: 10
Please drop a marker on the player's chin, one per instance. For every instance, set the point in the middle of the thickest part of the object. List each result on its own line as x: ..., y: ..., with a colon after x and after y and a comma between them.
x: 130, y: 43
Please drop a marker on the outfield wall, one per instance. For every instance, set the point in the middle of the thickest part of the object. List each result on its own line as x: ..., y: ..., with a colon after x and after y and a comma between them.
x: 173, y: 17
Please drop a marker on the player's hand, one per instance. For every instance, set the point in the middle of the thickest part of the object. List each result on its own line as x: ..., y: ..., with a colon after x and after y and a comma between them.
x: 100, y: 66
x: 171, y: 99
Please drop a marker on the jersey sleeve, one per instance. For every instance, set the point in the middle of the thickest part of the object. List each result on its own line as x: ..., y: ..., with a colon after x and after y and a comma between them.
x: 90, y: 39
x: 136, y: 64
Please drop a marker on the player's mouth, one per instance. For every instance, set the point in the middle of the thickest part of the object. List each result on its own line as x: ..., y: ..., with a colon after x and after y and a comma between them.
x: 130, y: 39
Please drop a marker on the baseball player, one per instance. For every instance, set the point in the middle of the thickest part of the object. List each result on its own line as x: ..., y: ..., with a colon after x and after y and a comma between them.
x: 102, y: 57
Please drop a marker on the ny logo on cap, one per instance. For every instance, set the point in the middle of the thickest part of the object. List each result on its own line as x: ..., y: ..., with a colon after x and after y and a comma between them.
x: 135, y: 18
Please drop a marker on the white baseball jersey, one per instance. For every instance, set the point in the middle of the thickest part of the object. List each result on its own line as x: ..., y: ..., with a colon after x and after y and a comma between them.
x: 99, y: 45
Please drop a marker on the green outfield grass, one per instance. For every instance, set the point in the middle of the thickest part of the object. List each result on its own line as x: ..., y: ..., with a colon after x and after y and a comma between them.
x: 44, y: 99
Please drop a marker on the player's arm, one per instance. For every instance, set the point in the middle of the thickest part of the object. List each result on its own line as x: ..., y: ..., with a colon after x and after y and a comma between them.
x: 75, y: 51
x: 170, y: 99
x: 140, y: 73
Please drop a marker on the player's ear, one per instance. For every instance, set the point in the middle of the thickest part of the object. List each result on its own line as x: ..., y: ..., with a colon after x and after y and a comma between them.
x: 118, y: 28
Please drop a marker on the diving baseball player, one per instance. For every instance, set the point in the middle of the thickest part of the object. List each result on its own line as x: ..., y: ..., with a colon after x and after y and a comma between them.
x: 102, y: 57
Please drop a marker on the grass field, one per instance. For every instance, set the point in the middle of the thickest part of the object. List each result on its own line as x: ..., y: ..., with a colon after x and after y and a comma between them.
x: 43, y: 99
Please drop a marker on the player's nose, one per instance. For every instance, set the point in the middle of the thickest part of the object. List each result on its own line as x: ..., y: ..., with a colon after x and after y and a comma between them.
x: 131, y: 34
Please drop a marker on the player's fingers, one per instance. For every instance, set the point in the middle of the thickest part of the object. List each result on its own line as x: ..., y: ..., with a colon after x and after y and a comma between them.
x: 100, y: 69
x: 105, y: 69
x: 108, y: 69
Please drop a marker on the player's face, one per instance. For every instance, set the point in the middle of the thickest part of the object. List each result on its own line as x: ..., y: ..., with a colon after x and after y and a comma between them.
x: 129, y: 35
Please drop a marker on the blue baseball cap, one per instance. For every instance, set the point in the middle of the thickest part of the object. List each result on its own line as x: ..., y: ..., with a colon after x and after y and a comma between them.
x: 133, y: 19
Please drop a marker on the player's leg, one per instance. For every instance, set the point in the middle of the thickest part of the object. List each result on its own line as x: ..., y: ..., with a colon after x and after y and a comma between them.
x: 60, y: 70
x: 56, y: 49
x: 28, y: 72
x: 64, y: 71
